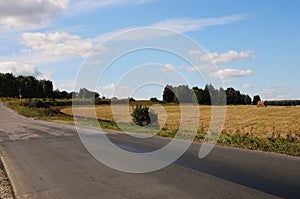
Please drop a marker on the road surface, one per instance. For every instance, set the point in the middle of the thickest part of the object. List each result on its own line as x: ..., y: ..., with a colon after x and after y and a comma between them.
x: 48, y: 160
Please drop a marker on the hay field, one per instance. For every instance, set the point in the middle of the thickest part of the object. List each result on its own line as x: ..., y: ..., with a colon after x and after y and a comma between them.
x: 260, y: 122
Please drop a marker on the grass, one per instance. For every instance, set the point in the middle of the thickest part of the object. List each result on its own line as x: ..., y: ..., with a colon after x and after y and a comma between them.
x: 48, y: 114
x: 272, y: 129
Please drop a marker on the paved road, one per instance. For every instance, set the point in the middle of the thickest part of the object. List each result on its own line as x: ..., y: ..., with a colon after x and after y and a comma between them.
x: 47, y: 160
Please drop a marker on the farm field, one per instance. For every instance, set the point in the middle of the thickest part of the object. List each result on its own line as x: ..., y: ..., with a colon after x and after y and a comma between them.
x: 259, y: 122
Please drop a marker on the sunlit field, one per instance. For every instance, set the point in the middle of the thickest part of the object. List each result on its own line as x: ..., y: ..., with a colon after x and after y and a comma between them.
x: 261, y: 122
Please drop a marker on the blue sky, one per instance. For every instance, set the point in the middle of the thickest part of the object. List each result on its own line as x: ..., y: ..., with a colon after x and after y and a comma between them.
x: 253, y: 43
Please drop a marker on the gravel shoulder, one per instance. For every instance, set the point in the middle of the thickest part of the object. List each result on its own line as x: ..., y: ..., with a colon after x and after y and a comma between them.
x: 6, y: 189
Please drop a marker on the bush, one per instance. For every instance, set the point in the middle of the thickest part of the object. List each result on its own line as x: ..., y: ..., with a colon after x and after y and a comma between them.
x: 52, y: 111
x: 153, y: 99
x: 37, y: 104
x: 143, y: 117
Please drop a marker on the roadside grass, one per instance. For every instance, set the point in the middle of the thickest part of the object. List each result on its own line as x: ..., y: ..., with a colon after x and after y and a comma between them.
x: 48, y: 114
x: 271, y: 129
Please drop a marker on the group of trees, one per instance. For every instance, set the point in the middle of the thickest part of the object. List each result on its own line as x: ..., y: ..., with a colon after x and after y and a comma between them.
x: 86, y: 94
x: 24, y: 86
x: 184, y: 94
x: 28, y: 87
x: 283, y: 103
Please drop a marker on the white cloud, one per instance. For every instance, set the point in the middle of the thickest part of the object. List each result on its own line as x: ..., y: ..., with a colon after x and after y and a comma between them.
x: 190, y: 24
x: 87, y: 5
x: 268, y: 92
x: 29, y: 13
x: 229, y: 72
x: 247, y: 86
x: 178, y: 24
x: 66, y: 85
x: 222, y: 57
x: 19, y: 69
x: 273, y: 94
x: 58, y: 44
x: 109, y: 87
x: 168, y: 67
x: 201, y: 68
x: 112, y: 90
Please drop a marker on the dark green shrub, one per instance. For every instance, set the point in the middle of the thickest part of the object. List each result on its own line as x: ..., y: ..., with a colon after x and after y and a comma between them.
x: 52, y: 111
x: 37, y: 104
x: 153, y: 99
x: 143, y: 117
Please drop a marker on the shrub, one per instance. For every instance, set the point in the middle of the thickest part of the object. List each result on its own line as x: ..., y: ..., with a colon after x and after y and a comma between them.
x: 37, y: 104
x: 52, y: 111
x: 143, y: 117
x: 153, y: 99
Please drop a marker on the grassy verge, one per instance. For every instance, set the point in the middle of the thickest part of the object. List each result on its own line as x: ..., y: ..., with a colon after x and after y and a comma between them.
x: 273, y: 143
x: 48, y: 114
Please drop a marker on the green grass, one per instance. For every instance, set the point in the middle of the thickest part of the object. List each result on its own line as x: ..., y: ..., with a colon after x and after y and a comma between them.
x: 273, y: 143
x: 278, y: 145
x: 48, y: 114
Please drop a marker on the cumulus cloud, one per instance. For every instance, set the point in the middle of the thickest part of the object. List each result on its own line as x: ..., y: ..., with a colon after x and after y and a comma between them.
x: 190, y: 24
x: 229, y: 72
x: 29, y: 13
x: 19, y: 69
x: 58, y: 44
x: 215, y: 57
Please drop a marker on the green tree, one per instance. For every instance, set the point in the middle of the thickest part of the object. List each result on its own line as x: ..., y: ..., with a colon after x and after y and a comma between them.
x: 256, y: 99
x: 247, y: 99
x: 143, y: 117
x: 86, y: 94
x: 184, y: 94
x: 168, y: 94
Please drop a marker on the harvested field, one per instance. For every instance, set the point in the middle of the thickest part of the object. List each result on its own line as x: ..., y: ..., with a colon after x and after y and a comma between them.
x: 261, y: 122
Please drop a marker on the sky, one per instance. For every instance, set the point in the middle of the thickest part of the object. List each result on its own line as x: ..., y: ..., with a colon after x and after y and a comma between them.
x: 252, y: 45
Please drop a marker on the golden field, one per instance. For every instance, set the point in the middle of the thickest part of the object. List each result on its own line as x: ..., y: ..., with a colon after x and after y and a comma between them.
x: 261, y: 122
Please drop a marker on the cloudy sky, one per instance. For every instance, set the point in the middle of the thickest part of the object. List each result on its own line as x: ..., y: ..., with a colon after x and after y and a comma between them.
x: 253, y: 43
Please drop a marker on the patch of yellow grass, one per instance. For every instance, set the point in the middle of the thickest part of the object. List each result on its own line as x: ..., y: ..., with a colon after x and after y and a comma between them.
x: 258, y: 122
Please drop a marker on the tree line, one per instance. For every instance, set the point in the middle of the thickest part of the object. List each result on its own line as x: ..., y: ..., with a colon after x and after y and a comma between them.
x: 283, y: 103
x: 28, y: 87
x: 184, y: 94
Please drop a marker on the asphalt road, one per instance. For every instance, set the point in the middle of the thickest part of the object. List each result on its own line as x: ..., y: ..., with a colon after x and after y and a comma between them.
x: 48, y: 160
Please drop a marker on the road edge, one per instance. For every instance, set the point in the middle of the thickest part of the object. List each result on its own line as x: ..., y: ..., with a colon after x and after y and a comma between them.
x: 6, y: 187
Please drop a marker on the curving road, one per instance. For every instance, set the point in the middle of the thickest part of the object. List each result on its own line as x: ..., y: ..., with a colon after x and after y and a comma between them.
x: 48, y: 160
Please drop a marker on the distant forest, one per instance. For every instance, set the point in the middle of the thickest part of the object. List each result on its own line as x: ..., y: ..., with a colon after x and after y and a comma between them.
x: 29, y: 87
x: 203, y: 96
x: 184, y: 94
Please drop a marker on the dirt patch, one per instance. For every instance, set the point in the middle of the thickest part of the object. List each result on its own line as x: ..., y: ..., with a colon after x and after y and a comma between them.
x: 6, y: 190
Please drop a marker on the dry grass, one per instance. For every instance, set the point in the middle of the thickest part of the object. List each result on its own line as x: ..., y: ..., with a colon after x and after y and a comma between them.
x: 261, y: 122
